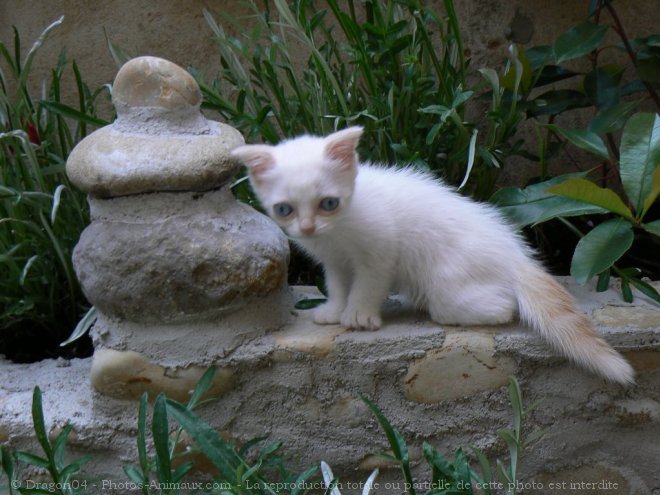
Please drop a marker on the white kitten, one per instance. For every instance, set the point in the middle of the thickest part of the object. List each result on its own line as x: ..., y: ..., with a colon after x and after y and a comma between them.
x: 375, y: 229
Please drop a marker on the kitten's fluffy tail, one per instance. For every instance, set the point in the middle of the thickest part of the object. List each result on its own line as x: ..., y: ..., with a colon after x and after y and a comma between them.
x: 549, y: 309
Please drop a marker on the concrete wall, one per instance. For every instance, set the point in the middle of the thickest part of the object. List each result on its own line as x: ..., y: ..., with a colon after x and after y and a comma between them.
x: 177, y: 31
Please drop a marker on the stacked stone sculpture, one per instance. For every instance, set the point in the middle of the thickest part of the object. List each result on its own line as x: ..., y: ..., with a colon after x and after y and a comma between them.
x: 180, y: 272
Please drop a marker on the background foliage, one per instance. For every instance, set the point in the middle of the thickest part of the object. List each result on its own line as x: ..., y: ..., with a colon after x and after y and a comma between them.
x: 41, y: 214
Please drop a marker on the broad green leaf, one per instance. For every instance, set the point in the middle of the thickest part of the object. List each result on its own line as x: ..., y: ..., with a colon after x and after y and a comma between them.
x: 612, y: 118
x: 648, y: 64
x: 600, y: 248
x: 556, y: 101
x: 578, y: 41
x: 588, y: 192
x: 539, y: 56
x: 534, y: 204
x: 653, y: 193
x: 640, y: 156
x: 602, y: 85
x: 553, y: 73
x: 558, y: 206
x: 652, y: 227
x: 584, y: 139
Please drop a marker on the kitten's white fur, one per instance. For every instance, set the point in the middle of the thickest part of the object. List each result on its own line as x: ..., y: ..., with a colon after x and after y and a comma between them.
x: 401, y: 229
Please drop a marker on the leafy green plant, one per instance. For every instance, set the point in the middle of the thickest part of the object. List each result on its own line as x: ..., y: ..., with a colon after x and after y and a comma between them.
x: 602, y: 87
x: 638, y: 167
x: 61, y: 474
x: 456, y: 476
x: 396, y: 67
x: 41, y: 215
x: 236, y: 473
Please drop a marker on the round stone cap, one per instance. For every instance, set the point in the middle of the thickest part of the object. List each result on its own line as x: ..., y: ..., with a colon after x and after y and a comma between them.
x: 160, y: 140
x: 154, y: 82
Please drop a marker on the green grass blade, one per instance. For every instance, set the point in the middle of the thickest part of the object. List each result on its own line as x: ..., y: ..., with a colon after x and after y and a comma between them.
x: 209, y: 442
x: 39, y: 424
x: 471, y: 156
x: 201, y: 388
x: 143, y: 459
x: 396, y: 441
x: 71, y: 113
x: 32, y: 459
x: 59, y: 447
x: 57, y: 196
x: 161, y: 435
x: 118, y: 54
x: 25, y: 70
x: 26, y: 269
x: 83, y: 326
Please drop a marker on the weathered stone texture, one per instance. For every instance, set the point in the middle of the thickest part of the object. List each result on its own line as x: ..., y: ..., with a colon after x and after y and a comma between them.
x: 128, y: 374
x: 179, y: 264
x: 464, y: 365
x: 159, y: 142
x: 302, y: 385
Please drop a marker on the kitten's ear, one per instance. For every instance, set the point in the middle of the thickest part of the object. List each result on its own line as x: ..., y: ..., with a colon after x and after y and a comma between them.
x: 258, y: 158
x: 340, y: 146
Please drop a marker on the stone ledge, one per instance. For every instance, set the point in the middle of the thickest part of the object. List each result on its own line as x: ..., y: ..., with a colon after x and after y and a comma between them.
x: 301, y: 385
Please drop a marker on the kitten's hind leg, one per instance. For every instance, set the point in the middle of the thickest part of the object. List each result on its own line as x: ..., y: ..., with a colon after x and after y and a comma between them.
x: 337, y: 281
x: 476, y: 304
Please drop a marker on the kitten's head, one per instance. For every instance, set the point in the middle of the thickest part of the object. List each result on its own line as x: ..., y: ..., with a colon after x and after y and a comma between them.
x: 306, y: 183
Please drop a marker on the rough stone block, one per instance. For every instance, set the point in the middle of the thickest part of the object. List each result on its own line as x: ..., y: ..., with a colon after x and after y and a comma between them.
x: 128, y: 374
x: 167, y: 262
x: 464, y: 365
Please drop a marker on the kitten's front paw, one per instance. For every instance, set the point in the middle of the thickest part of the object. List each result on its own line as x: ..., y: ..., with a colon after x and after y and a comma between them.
x: 358, y: 319
x: 326, y: 314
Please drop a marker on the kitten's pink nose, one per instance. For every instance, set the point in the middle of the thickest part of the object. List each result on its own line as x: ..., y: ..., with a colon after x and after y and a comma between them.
x: 307, y: 227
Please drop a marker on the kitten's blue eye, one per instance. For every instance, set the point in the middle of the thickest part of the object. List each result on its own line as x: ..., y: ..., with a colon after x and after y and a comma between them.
x: 329, y: 204
x: 283, y: 209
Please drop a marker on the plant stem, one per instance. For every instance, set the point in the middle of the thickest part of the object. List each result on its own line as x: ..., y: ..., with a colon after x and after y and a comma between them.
x: 626, y: 43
